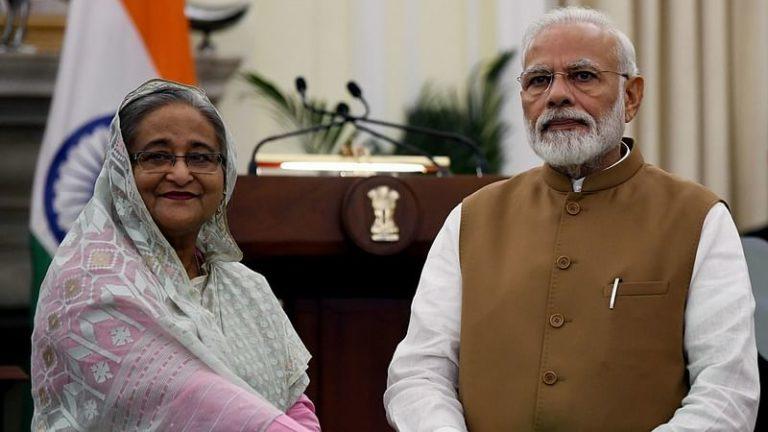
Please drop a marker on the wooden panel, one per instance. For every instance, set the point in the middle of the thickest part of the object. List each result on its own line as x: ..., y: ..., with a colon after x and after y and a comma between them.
x: 353, y: 341
x: 350, y: 307
x: 272, y: 216
x: 12, y: 373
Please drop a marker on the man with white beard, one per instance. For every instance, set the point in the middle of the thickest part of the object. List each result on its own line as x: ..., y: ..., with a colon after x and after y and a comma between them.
x: 596, y: 292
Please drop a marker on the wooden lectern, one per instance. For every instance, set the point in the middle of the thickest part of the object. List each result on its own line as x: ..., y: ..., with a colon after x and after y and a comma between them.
x: 344, y: 255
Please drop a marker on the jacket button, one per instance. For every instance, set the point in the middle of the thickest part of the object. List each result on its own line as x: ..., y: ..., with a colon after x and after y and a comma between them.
x: 556, y: 320
x: 563, y: 262
x: 573, y: 208
x: 549, y: 377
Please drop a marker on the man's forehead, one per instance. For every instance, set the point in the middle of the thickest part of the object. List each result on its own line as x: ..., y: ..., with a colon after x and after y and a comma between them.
x: 570, y: 44
x: 575, y: 64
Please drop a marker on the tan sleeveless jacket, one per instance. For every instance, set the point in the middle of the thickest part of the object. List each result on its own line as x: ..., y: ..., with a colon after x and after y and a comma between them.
x: 540, y: 347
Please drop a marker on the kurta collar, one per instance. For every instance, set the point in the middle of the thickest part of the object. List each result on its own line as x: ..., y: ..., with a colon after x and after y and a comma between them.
x: 605, y: 179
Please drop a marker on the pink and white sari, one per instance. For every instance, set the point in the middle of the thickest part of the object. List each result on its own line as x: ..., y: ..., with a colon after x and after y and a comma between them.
x: 124, y: 341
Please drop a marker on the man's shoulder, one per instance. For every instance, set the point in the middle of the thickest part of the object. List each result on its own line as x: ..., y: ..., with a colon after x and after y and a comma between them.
x: 661, y: 181
x: 504, y: 187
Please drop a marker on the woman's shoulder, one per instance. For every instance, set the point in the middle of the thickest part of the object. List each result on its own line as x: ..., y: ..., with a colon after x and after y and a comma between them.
x: 241, y: 270
x: 244, y: 277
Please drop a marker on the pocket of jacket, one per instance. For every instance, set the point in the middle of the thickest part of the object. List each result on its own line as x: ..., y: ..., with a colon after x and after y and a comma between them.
x: 638, y: 288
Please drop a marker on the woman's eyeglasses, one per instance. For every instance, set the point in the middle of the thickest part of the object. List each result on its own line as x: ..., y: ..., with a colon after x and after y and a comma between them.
x: 163, y: 162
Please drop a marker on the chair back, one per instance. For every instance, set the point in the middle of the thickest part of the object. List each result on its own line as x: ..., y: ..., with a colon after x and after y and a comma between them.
x: 756, y: 252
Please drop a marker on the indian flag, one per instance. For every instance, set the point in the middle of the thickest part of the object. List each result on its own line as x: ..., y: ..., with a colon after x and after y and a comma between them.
x: 110, y: 47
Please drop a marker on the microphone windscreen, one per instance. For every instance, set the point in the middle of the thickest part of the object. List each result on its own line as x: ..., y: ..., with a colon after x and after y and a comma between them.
x: 301, y: 84
x: 342, y: 109
x: 354, y: 89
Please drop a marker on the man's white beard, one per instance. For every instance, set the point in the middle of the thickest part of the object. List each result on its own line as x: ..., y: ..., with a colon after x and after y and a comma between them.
x: 576, y: 149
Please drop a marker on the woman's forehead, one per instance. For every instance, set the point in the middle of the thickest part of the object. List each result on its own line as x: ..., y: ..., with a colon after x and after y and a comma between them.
x: 176, y: 123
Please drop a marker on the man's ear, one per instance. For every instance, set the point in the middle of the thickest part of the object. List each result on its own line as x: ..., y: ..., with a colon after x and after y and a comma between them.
x: 633, y: 96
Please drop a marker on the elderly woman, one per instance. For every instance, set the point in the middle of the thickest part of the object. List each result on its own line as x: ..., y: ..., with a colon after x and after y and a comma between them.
x: 146, y: 320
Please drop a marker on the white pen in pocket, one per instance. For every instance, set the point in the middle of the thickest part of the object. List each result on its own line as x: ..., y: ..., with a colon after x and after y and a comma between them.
x: 613, y: 293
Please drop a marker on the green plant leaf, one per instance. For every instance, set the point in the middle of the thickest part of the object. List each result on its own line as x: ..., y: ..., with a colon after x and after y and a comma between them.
x: 476, y: 115
x: 267, y: 89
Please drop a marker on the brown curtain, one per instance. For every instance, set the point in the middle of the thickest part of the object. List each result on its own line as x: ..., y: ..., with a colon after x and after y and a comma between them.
x: 705, y: 113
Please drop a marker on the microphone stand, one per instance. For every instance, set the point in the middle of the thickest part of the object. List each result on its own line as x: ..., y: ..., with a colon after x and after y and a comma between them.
x: 441, y: 170
x: 342, y: 111
x: 482, y: 162
x: 252, y: 165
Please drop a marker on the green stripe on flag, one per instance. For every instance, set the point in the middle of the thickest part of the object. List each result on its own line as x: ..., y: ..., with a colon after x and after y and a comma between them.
x: 40, y: 262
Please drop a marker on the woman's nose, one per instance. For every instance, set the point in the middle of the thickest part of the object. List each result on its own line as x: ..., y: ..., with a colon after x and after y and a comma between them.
x: 180, y: 172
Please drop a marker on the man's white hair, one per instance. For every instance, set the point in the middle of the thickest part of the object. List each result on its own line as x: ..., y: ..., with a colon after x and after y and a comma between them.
x: 624, y: 49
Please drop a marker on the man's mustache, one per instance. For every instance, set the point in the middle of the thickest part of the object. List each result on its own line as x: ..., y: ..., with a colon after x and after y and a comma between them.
x: 563, y: 114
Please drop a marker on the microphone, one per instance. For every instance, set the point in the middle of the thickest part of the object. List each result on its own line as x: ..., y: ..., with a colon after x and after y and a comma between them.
x: 342, y: 110
x: 357, y: 93
x: 301, y: 88
x: 354, y: 89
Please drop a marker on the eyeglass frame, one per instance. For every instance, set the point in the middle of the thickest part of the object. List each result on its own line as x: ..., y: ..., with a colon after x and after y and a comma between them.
x: 575, y: 70
x: 221, y: 161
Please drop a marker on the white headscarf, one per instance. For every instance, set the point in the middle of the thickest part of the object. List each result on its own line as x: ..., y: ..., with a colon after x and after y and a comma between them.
x: 121, y: 335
